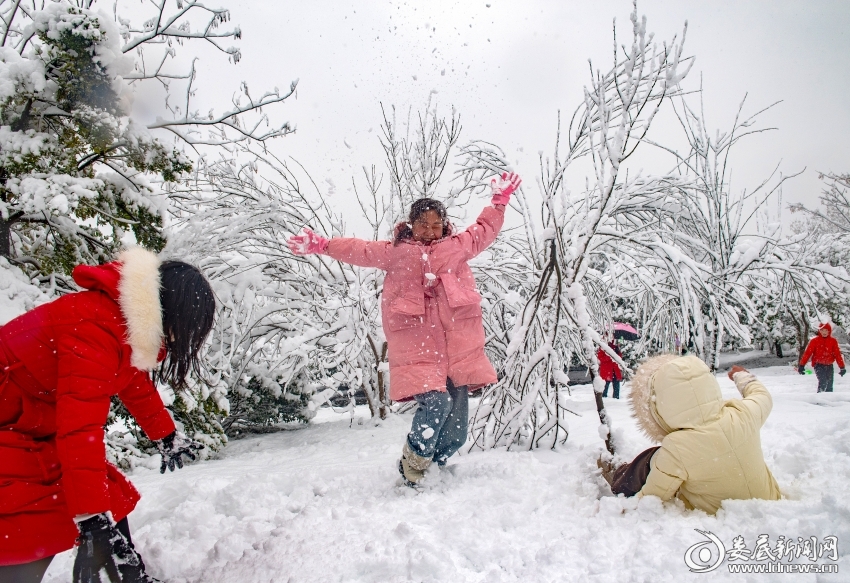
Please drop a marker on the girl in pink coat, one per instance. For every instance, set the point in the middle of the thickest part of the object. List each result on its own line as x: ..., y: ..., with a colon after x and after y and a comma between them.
x: 431, y: 316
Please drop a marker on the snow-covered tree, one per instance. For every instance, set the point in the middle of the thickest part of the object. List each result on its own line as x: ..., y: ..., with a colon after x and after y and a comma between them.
x: 527, y: 407
x: 835, y: 199
x: 280, y: 332
x: 719, y: 230
x: 77, y: 171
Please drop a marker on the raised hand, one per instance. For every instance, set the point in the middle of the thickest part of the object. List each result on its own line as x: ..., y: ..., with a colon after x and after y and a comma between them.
x: 307, y: 243
x: 733, y: 370
x: 504, y: 187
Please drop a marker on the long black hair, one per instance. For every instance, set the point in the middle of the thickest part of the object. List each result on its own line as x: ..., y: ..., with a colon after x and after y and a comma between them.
x: 417, y: 209
x: 188, y: 311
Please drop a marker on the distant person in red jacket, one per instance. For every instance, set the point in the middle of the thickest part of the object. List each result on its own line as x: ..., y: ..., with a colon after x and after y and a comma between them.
x: 609, y: 371
x: 60, y: 365
x: 824, y: 351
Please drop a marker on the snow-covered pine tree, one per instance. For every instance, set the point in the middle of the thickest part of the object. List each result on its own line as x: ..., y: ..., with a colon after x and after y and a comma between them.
x: 75, y: 170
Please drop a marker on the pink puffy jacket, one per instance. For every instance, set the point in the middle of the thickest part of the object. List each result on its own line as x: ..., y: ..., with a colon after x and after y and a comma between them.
x: 433, y: 331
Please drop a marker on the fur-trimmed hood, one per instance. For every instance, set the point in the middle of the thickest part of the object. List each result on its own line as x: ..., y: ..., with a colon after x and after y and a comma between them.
x: 640, y: 396
x: 670, y: 393
x: 134, y: 282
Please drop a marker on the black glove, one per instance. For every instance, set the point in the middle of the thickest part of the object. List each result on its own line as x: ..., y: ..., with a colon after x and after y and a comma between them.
x: 102, y: 547
x: 173, y: 447
x: 801, y: 369
x: 842, y: 372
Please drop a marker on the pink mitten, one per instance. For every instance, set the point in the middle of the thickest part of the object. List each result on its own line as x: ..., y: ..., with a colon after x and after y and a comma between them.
x: 307, y: 242
x: 504, y: 187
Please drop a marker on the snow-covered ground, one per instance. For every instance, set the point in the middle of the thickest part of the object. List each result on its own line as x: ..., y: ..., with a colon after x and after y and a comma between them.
x: 324, y: 504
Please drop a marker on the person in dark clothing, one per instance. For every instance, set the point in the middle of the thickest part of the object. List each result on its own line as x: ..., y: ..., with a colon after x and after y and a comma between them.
x: 824, y: 351
x: 609, y: 371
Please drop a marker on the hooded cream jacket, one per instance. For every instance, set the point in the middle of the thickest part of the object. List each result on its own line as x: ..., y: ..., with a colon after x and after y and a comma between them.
x: 710, y: 449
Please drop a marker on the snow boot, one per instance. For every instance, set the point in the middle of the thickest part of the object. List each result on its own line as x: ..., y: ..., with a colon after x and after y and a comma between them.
x: 104, y: 546
x: 412, y: 466
x: 607, y: 470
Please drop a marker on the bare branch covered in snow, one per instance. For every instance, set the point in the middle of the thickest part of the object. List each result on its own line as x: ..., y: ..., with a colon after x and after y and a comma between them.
x: 527, y: 407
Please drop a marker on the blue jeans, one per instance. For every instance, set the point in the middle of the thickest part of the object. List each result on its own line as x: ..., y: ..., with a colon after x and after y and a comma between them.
x: 616, y: 384
x: 439, y: 424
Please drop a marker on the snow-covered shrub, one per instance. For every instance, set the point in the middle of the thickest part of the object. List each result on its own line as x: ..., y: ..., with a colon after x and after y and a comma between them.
x: 258, y: 409
x: 283, y: 329
x: 17, y: 293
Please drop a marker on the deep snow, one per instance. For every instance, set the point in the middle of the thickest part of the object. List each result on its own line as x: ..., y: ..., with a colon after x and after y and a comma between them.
x: 324, y: 504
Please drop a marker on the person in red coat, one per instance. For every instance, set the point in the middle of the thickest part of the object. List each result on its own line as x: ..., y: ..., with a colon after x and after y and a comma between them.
x: 60, y: 365
x: 824, y: 351
x: 609, y: 371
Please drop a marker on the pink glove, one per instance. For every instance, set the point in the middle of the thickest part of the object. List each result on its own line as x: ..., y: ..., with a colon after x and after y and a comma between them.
x: 307, y: 242
x: 504, y: 187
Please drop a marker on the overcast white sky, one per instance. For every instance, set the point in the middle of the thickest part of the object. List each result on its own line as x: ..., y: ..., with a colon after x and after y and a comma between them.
x: 509, y: 67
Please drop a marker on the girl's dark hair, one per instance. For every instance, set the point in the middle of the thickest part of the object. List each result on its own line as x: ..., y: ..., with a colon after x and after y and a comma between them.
x: 188, y: 311
x: 417, y: 209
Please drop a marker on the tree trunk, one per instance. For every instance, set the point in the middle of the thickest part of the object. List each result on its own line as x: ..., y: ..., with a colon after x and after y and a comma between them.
x: 593, y: 369
x: 603, y: 419
x: 5, y: 238
x: 778, y: 345
x: 383, y: 399
x: 802, y: 326
x: 6, y: 233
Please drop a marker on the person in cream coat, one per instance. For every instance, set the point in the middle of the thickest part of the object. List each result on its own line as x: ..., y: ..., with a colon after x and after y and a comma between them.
x: 710, y: 448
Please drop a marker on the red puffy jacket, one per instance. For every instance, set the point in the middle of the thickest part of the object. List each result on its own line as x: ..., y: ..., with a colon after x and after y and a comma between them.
x: 59, y: 366
x: 823, y: 350
x: 608, y: 369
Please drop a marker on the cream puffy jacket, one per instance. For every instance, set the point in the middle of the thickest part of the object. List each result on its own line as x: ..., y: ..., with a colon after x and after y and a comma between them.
x: 710, y: 449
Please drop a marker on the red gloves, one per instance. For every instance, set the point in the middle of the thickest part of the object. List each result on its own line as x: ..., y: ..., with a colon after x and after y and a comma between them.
x: 307, y: 243
x: 504, y: 187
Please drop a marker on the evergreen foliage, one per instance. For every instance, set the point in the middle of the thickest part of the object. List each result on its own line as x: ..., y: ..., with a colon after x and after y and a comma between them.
x: 76, y: 172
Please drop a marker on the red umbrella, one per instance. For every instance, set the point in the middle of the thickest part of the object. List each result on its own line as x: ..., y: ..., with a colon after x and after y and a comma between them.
x: 625, y: 332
